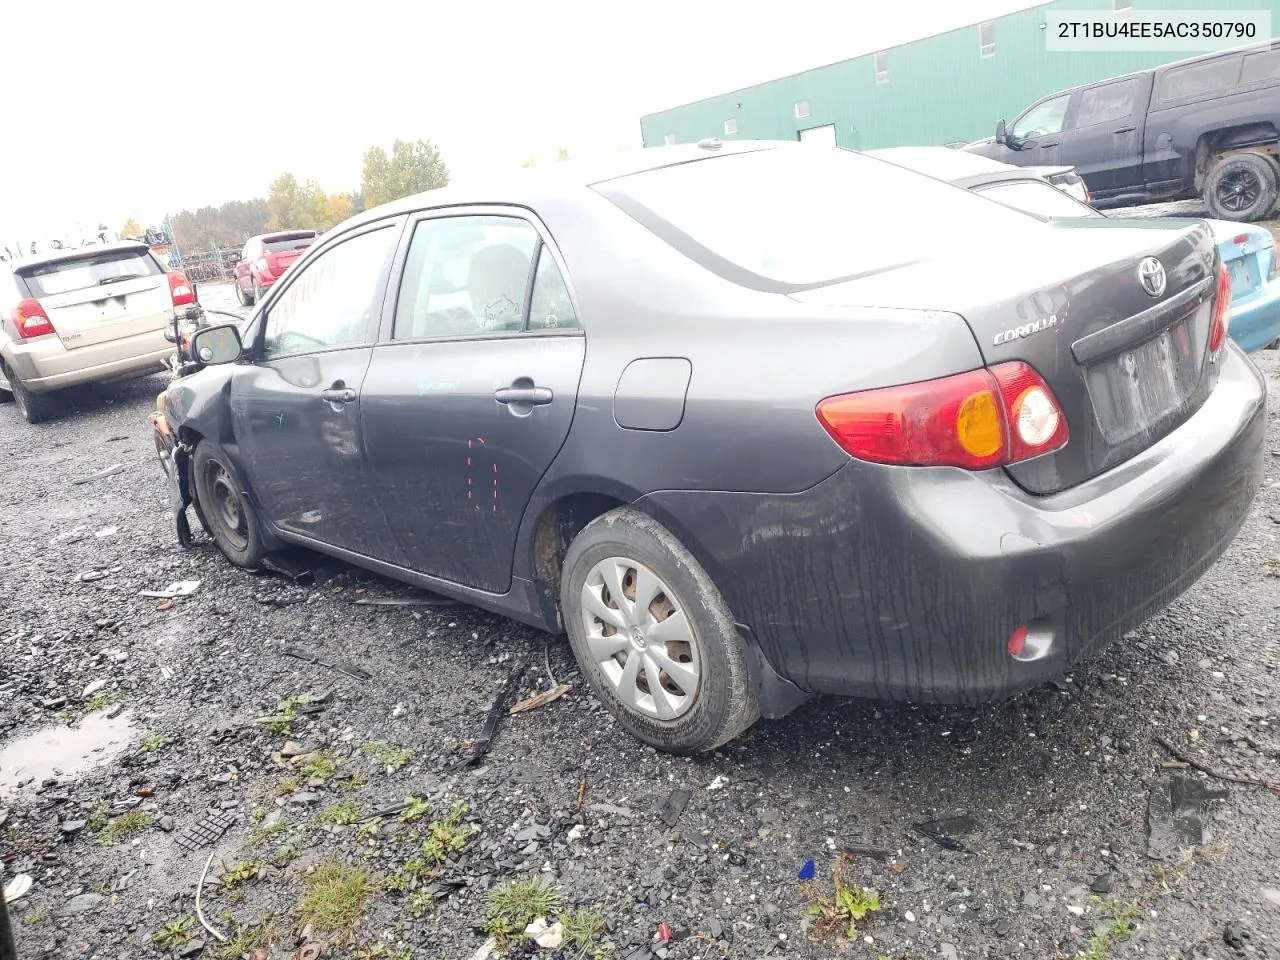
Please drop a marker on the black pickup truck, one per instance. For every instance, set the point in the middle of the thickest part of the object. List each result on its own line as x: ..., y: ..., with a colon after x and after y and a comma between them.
x: 1202, y: 127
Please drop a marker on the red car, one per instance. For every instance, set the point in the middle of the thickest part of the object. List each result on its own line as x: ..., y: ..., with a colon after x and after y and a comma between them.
x: 264, y: 258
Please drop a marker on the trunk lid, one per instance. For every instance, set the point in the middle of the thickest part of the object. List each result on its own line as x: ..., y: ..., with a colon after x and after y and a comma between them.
x: 1126, y: 367
x: 98, y: 297
x: 1249, y: 253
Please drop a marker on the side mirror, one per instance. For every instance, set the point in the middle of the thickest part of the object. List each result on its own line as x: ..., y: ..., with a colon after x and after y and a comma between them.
x: 214, y: 345
x: 1002, y: 135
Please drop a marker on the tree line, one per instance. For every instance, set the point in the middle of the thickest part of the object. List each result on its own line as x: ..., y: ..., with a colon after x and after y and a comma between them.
x: 410, y: 167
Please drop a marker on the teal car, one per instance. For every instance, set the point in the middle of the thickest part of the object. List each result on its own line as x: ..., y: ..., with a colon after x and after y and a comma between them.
x: 1249, y: 251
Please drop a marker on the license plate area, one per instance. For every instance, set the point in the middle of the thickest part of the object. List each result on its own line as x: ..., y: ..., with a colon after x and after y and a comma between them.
x: 1134, y: 389
x: 1243, y: 281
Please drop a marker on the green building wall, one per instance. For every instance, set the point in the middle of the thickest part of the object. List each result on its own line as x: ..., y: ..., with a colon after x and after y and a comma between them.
x: 938, y: 89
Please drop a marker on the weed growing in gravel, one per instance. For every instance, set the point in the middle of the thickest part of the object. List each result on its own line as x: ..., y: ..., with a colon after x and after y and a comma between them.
x: 267, y: 830
x: 246, y: 940
x: 387, y: 755
x: 287, y: 852
x: 287, y: 712
x: 381, y: 950
x: 354, y: 782
x: 1120, y: 917
x: 174, y: 933
x: 514, y: 904
x: 448, y: 836
x: 153, y: 742
x: 342, y: 813
x: 285, y: 787
x: 417, y: 809
x: 1271, y: 566
x: 845, y: 908
x: 335, y: 898
x: 319, y: 766
x: 125, y: 826
x: 581, y: 929
x: 100, y: 701
x: 240, y: 874
x: 421, y: 902
x: 64, y: 718
x: 35, y: 917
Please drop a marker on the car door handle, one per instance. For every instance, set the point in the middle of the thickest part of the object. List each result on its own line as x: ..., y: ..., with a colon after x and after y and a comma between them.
x: 338, y: 395
x: 535, y: 396
x: 1126, y: 130
x: 1046, y: 146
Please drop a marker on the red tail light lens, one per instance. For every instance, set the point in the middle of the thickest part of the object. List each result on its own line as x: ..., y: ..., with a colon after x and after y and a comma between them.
x: 1221, y: 311
x: 180, y: 289
x: 975, y: 420
x: 30, y: 320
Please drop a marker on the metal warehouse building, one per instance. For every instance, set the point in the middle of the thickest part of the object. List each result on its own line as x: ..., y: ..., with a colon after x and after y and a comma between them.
x: 947, y: 87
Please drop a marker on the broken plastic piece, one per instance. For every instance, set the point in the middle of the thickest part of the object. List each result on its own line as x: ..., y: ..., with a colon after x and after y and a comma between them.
x: 182, y: 588
x: 17, y: 887
x: 940, y: 831
x: 497, y: 708
x: 542, y: 699
x: 808, y: 871
x: 664, y: 932
x: 673, y: 806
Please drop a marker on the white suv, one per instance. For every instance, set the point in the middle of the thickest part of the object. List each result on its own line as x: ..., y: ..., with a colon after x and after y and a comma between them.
x: 84, y: 315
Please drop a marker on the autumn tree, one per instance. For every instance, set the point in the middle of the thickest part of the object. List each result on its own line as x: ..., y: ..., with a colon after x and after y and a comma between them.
x: 412, y: 167
x: 131, y: 228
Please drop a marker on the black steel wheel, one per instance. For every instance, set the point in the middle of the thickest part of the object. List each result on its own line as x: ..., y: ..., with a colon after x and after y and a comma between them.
x: 223, y: 507
x: 1242, y: 187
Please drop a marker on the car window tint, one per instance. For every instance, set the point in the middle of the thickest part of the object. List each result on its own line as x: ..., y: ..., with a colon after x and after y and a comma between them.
x: 1197, y: 79
x: 284, y: 244
x: 1035, y: 197
x: 330, y: 303
x: 1042, y: 119
x: 1261, y: 66
x: 1107, y: 103
x: 84, y: 272
x: 550, y: 307
x: 798, y: 216
x: 465, y: 276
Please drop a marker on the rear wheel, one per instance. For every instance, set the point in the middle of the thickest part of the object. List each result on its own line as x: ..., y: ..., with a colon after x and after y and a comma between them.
x: 242, y: 297
x: 1241, y: 187
x: 34, y: 407
x: 654, y: 637
x: 222, y: 507
x: 257, y: 292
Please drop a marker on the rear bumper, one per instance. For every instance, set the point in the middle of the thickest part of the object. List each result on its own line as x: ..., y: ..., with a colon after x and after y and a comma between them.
x: 45, y: 364
x: 906, y: 583
x: 1255, y: 322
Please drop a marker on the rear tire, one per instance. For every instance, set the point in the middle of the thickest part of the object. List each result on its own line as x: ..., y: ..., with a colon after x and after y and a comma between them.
x: 1242, y: 187
x: 34, y: 407
x: 257, y: 292
x: 242, y: 298
x: 222, y: 508
x: 689, y: 689
x: 6, y: 396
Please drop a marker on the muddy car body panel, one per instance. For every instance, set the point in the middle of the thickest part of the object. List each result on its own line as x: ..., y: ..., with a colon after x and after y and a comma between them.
x: 676, y: 364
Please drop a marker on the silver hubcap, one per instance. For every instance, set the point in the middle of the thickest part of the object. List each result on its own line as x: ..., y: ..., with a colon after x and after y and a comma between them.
x: 640, y: 639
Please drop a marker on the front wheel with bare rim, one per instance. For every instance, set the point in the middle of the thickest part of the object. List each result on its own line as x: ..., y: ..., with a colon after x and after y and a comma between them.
x: 223, y: 508
x: 654, y: 637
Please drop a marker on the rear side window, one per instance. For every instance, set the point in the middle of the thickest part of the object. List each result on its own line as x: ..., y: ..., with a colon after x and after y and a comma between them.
x: 284, y: 244
x: 795, y: 217
x: 81, y: 273
x: 1107, y: 103
x: 1259, y: 67
x: 1037, y: 198
x: 1200, y: 79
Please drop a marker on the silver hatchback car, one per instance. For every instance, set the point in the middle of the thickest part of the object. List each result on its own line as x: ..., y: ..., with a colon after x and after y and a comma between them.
x: 84, y: 315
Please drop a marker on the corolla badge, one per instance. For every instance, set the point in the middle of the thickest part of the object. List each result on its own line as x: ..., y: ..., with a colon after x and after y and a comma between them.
x: 1152, y: 277
x: 1026, y: 329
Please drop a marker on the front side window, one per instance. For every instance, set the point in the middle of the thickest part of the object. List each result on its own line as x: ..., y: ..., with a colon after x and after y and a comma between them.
x: 1036, y: 197
x: 1042, y: 119
x: 332, y: 302
x: 795, y: 217
x: 1107, y: 103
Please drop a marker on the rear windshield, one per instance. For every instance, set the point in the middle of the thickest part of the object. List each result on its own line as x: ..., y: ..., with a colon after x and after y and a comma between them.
x: 282, y: 244
x: 1036, y: 197
x: 795, y: 217
x: 99, y: 269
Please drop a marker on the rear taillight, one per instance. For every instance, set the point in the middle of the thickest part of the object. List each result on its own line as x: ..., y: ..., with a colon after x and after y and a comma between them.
x: 976, y: 420
x: 180, y: 289
x: 30, y: 320
x: 1221, y: 311
x: 262, y: 265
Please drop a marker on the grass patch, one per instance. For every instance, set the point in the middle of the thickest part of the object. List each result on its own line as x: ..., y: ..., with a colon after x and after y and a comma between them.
x: 267, y: 830
x: 152, y: 742
x: 335, y: 897
x: 417, y: 809
x: 1271, y: 566
x: 342, y: 813
x: 582, y: 929
x: 846, y: 907
x: 387, y: 755
x: 35, y: 917
x: 354, y: 782
x: 319, y: 766
x: 174, y: 933
x: 448, y: 836
x: 286, y: 853
x: 246, y: 940
x: 421, y: 903
x: 514, y: 904
x: 100, y: 701
x: 64, y: 718
x: 381, y: 950
x: 287, y: 712
x: 124, y: 827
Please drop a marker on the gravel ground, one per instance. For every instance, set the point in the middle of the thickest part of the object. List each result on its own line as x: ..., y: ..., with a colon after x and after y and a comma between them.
x: 1055, y: 786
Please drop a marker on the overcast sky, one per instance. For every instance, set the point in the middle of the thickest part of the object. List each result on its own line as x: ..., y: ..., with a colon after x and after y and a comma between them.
x: 132, y: 109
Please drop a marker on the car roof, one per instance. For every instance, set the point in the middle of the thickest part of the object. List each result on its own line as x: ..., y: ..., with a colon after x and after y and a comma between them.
x: 72, y: 253
x: 942, y: 163
x: 300, y: 232
x: 527, y: 187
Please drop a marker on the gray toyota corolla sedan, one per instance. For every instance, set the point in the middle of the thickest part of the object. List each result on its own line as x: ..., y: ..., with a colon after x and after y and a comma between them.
x: 750, y: 422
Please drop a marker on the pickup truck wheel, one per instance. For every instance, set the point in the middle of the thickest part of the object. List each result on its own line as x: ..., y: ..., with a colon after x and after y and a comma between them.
x: 653, y: 636
x: 34, y: 407
x: 1242, y: 187
x: 222, y: 507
